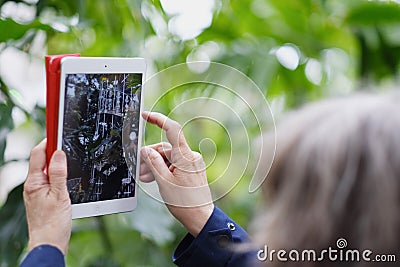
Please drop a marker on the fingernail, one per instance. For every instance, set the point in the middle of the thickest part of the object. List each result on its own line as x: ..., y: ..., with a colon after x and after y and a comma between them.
x: 144, y: 152
x: 58, y: 156
x: 145, y: 114
x: 148, y: 152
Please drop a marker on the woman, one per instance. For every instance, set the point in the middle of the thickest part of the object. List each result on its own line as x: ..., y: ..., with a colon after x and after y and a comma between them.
x: 335, y: 177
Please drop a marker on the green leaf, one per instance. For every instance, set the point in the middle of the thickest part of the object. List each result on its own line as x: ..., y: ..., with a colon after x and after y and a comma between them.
x: 104, y: 261
x: 39, y: 115
x: 13, y: 30
x: 126, y: 247
x: 13, y: 228
x: 152, y: 219
x: 6, y: 125
x: 374, y: 13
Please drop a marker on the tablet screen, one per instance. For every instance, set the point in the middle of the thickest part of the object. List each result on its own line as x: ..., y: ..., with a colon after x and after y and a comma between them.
x: 94, y: 109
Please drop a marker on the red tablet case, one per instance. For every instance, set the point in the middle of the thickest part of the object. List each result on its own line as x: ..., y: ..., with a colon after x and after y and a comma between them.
x: 53, y: 72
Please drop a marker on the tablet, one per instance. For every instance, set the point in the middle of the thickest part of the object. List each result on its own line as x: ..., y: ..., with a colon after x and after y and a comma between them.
x: 96, y: 95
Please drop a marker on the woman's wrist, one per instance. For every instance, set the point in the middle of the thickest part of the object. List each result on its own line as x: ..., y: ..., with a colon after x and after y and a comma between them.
x: 198, y: 218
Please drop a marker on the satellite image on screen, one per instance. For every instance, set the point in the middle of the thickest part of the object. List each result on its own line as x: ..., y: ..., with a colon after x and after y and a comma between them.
x: 95, y: 106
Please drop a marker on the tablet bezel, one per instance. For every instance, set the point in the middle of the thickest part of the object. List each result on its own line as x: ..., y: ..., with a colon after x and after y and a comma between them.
x: 91, y: 65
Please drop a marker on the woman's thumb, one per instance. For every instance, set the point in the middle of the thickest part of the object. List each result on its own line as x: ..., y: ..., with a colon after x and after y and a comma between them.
x: 155, y: 162
x: 58, y: 169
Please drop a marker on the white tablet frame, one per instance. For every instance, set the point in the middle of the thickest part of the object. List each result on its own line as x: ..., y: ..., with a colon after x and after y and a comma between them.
x: 102, y: 65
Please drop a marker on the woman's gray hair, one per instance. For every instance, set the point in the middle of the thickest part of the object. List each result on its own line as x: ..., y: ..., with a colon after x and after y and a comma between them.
x: 336, y: 174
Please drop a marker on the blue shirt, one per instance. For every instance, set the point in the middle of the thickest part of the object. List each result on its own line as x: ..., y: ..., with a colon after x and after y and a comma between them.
x: 214, y: 246
x: 44, y: 256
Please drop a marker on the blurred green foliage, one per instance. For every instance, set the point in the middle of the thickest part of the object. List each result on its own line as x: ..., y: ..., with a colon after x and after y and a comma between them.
x: 295, y: 51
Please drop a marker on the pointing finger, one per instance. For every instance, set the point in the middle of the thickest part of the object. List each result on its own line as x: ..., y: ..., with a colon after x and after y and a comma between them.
x: 172, y: 128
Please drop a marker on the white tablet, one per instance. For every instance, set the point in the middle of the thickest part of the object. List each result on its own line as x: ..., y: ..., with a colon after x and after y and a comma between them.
x: 96, y: 94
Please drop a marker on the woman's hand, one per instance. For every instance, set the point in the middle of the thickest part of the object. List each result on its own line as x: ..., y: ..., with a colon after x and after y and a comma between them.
x: 47, y: 203
x: 180, y: 174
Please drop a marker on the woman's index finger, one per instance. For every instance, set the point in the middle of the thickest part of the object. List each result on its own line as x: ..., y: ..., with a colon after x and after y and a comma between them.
x: 172, y: 128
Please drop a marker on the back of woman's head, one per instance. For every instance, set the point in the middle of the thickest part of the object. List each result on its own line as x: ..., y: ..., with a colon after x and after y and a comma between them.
x: 336, y: 175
